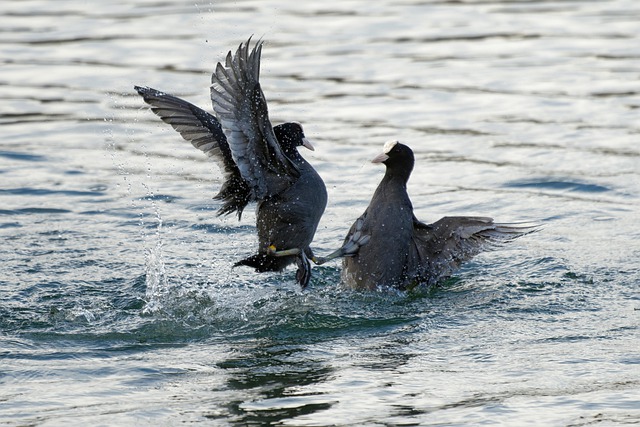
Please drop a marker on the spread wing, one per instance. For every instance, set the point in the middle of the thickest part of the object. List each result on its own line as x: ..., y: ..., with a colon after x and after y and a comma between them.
x: 203, y: 130
x: 439, y: 248
x: 242, y: 110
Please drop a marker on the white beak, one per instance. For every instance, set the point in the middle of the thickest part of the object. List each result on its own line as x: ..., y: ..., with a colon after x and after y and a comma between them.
x: 307, y: 144
x: 380, y: 158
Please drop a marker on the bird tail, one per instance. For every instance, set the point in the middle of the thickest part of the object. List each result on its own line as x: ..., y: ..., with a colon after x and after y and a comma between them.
x: 264, y: 262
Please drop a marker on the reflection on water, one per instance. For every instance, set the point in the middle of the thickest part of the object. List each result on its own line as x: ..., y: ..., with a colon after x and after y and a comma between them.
x: 268, y: 372
x: 120, y: 305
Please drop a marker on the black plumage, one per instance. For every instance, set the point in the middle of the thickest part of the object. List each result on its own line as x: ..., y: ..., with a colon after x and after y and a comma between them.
x: 402, y: 252
x: 261, y: 163
x: 203, y: 130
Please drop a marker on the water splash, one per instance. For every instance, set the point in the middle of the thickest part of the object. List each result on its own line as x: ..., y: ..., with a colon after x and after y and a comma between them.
x: 155, y: 279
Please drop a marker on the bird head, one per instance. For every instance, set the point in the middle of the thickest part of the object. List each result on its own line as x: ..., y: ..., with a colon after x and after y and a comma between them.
x: 291, y: 135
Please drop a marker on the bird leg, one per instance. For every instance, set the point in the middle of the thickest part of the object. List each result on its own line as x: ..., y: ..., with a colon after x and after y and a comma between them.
x: 350, y: 247
x: 271, y: 250
x: 303, y: 275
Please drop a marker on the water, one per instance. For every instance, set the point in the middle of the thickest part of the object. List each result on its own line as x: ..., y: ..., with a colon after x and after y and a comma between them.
x: 119, y: 304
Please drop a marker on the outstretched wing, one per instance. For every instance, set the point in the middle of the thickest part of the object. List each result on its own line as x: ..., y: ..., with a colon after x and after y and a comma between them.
x: 242, y: 110
x: 203, y: 130
x: 439, y: 248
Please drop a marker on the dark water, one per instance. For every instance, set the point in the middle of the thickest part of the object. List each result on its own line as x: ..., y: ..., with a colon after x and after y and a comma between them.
x: 118, y: 302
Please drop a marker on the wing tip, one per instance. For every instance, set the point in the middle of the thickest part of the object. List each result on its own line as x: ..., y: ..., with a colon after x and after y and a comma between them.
x: 142, y: 90
x: 520, y: 228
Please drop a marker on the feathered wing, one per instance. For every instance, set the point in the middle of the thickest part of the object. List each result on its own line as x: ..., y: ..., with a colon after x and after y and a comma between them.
x: 355, y: 238
x: 242, y: 110
x: 204, y: 131
x: 439, y: 248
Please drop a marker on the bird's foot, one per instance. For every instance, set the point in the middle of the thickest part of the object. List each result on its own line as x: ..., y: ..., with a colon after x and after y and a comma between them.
x: 303, y: 275
x: 350, y: 248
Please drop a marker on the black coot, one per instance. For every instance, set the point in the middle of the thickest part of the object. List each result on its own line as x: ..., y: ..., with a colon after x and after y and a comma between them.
x: 388, y: 247
x: 261, y: 163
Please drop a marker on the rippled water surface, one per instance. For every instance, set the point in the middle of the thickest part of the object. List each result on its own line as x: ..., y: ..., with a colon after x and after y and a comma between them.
x: 118, y: 303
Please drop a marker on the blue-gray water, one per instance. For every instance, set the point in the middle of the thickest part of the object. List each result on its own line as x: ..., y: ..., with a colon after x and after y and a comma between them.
x: 118, y: 303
